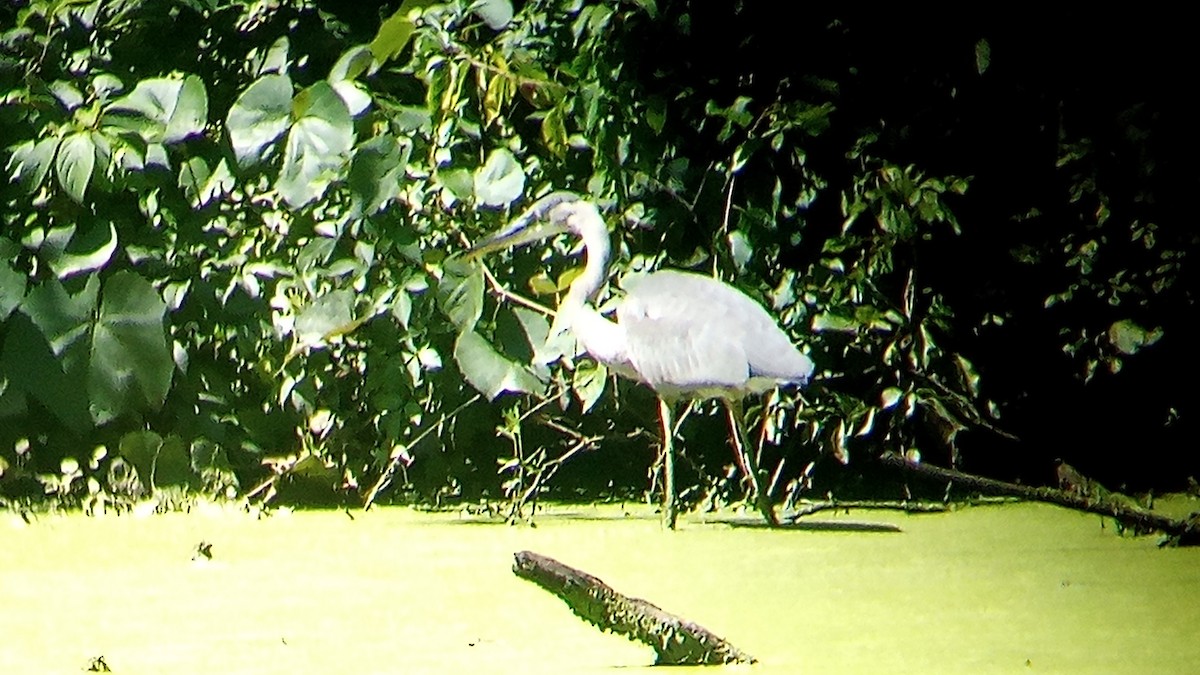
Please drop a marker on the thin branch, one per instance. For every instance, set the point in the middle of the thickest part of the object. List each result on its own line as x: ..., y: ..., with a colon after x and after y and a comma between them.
x: 398, y: 455
x: 503, y: 292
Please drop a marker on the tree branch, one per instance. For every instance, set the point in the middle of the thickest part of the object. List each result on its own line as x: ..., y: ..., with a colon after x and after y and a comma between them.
x: 1178, y: 532
x: 675, y: 640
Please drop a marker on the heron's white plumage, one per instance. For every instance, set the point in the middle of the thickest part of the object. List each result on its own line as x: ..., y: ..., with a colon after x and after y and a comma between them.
x: 687, y: 334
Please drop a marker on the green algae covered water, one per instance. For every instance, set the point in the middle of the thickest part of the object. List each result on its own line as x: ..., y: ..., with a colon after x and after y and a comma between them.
x: 1019, y: 588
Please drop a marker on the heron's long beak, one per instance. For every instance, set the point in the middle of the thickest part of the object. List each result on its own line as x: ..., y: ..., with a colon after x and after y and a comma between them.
x: 527, y: 227
x: 518, y: 232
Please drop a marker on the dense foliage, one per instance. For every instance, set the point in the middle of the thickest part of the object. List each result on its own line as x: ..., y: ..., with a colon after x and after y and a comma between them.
x: 227, y: 256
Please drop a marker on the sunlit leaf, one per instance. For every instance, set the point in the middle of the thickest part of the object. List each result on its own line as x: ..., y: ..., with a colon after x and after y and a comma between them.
x: 495, y: 13
x: 202, y: 186
x: 162, y: 110
x: 740, y: 249
x: 260, y: 115
x: 534, y: 325
x: 500, y: 181
x: 90, y: 249
x: 75, y: 162
x: 64, y: 319
x: 330, y: 315
x: 488, y: 371
x: 275, y: 60
x: 588, y: 383
x: 542, y: 284
x: 318, y: 145
x: 396, y: 31
x: 890, y: 397
x: 30, y: 162
x: 826, y: 321
x: 1127, y: 337
x: 354, y: 96
x: 554, y: 131
x: 352, y: 63
x: 867, y: 423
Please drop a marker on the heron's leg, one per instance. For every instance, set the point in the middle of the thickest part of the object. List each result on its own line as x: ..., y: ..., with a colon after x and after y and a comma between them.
x: 665, y: 411
x: 746, y: 458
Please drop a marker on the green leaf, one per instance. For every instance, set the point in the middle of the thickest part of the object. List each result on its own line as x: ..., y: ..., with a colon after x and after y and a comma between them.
x: 500, y: 181
x: 827, y: 321
x: 983, y: 56
x: 353, y: 95
x: 460, y: 294
x: 554, y: 130
x: 352, y: 63
x: 376, y: 173
x: 75, y: 163
x: 395, y: 33
x: 62, y: 318
x: 588, y: 383
x: 275, y: 60
x: 740, y: 249
x: 489, y: 372
x: 458, y: 181
x: 30, y: 162
x: 89, y: 250
x: 32, y: 369
x: 317, y: 145
x: 890, y: 397
x: 131, y: 365
x: 332, y: 314
x: 162, y: 110
x: 260, y: 116
x: 12, y: 289
x: 1129, y: 338
x: 495, y: 13
x: 534, y: 325
x: 140, y: 448
x: 172, y: 466
x: 202, y: 186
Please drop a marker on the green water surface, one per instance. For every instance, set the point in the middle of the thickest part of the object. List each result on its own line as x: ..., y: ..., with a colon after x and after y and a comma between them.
x: 1021, y: 588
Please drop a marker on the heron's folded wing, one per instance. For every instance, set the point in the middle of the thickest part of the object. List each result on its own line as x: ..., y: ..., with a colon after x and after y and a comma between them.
x: 690, y: 333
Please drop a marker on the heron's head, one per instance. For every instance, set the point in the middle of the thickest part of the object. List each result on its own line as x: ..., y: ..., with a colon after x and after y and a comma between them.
x: 556, y: 213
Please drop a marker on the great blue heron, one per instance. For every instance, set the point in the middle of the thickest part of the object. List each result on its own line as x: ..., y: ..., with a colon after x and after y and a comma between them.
x: 685, y: 335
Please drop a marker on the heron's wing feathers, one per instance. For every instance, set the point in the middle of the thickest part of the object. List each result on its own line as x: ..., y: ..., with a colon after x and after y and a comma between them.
x: 686, y: 332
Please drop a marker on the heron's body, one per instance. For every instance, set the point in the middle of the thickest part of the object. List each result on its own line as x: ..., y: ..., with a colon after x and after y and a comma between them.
x: 685, y: 335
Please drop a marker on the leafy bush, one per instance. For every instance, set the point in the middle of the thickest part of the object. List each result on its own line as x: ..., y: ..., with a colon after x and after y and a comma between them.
x: 228, y: 254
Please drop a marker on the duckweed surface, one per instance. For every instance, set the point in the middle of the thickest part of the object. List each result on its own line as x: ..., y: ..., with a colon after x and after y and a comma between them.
x: 1013, y: 588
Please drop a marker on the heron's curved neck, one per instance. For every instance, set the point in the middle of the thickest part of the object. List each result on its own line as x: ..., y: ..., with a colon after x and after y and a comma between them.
x: 595, y: 270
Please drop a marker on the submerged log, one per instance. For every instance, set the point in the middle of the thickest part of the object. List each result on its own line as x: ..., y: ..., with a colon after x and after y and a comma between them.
x: 676, y: 641
x: 1080, y: 494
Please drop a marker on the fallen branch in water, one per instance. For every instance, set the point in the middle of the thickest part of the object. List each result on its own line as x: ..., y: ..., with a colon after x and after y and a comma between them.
x: 1179, y: 532
x: 674, y: 640
x: 809, y: 508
